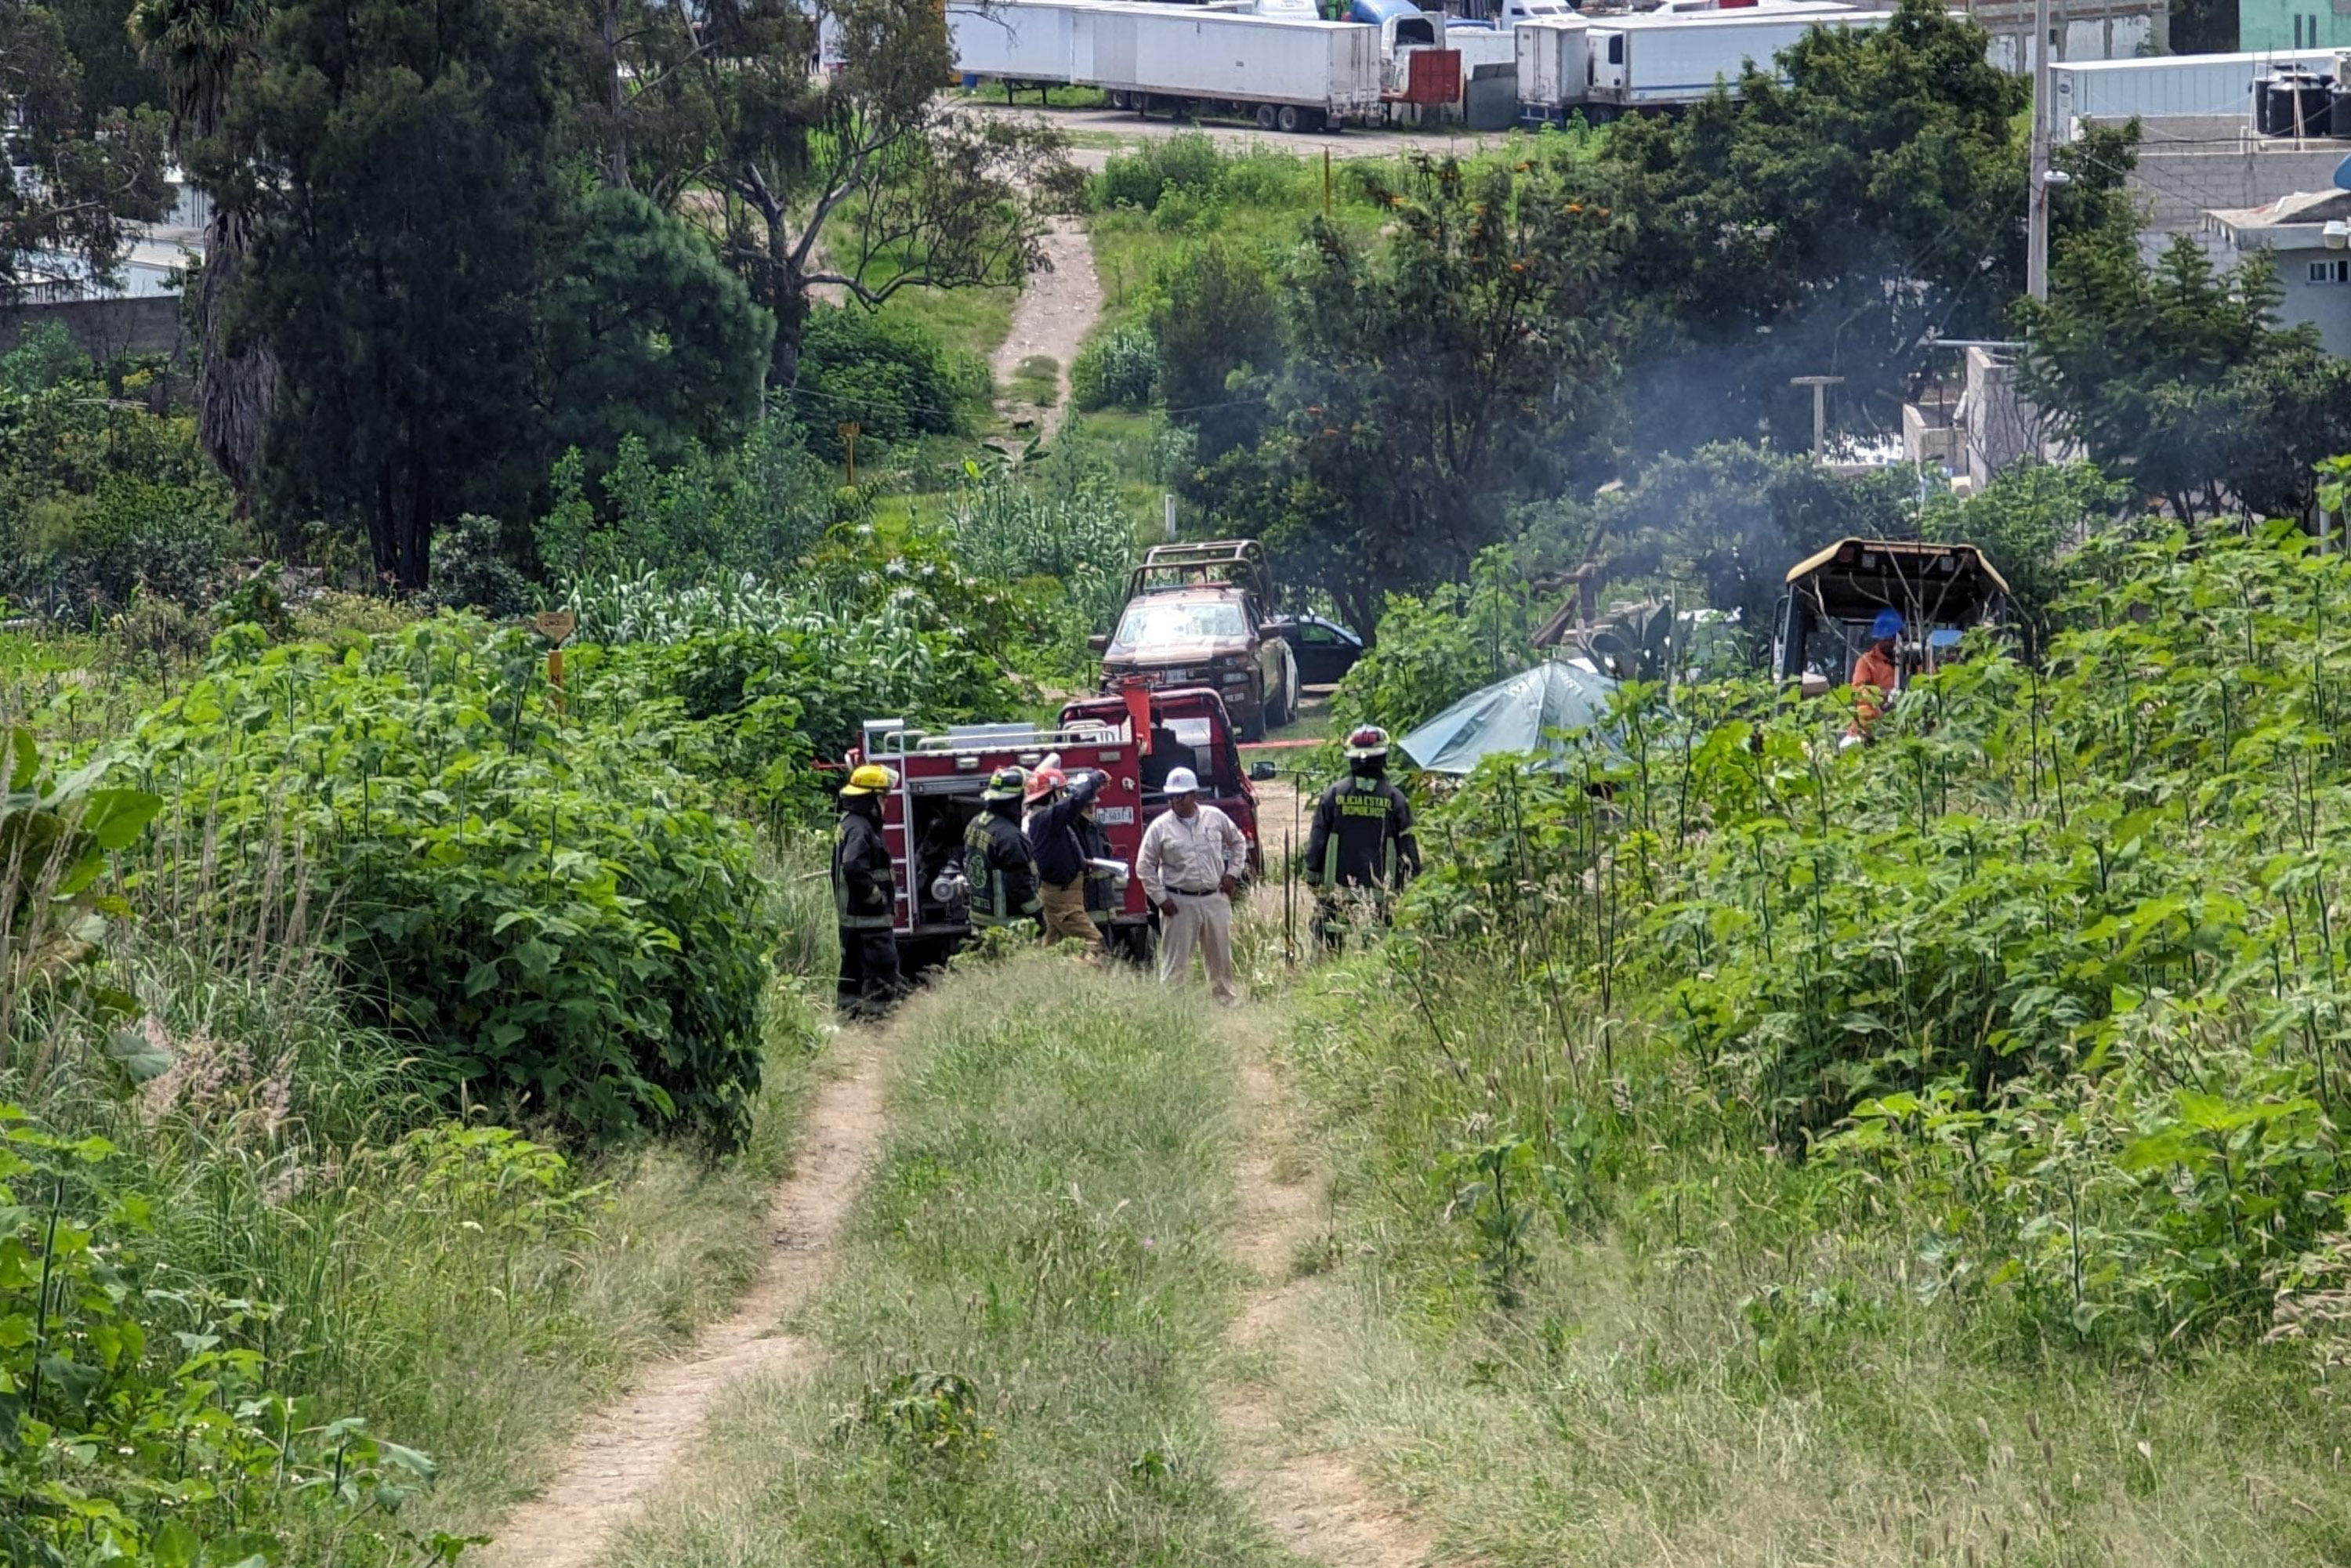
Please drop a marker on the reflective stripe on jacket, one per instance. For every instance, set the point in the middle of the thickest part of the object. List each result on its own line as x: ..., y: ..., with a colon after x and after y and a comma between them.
x: 864, y: 893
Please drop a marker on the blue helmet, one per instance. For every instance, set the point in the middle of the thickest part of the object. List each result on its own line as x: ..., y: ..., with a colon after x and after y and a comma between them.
x: 1888, y: 625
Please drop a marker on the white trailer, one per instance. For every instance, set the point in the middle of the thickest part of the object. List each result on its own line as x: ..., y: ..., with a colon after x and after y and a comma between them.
x: 1288, y: 73
x: 2163, y: 85
x: 1663, y: 62
x: 1013, y: 43
x: 1554, y: 56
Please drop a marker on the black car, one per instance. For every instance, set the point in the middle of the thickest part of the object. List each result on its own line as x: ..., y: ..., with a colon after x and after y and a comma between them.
x: 1326, y: 649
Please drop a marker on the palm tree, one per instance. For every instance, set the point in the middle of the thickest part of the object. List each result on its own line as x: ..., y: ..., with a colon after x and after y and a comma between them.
x: 199, y: 46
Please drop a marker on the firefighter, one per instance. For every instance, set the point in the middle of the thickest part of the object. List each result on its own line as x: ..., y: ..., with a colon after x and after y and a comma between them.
x: 1105, y: 892
x: 865, y: 898
x: 1055, y: 804
x: 1362, y: 846
x: 996, y: 858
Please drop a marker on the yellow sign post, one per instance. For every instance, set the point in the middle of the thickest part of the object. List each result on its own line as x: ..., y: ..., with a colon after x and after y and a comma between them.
x: 555, y: 626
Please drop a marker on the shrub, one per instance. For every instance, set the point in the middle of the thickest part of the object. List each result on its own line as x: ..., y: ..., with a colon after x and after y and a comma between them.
x: 101, y: 499
x: 891, y: 376
x: 1189, y: 163
x: 470, y: 571
x: 748, y: 707
x: 1216, y: 321
x: 1118, y: 368
x: 754, y: 509
x: 46, y: 355
x: 557, y: 918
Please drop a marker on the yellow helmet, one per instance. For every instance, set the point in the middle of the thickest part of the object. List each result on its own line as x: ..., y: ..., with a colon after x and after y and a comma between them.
x: 872, y: 778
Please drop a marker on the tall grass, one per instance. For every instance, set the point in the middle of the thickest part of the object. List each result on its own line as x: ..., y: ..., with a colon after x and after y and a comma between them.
x: 1736, y: 1364
x: 1019, y: 1330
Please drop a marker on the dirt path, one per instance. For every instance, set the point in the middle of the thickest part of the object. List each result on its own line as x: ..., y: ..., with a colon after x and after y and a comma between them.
x: 1056, y: 311
x: 1315, y: 1502
x: 632, y: 1452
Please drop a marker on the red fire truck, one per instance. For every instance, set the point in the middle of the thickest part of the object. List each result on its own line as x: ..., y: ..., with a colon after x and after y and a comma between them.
x: 1137, y: 735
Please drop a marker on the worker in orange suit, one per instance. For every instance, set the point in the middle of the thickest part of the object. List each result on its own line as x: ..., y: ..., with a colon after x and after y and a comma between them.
x: 1875, y: 673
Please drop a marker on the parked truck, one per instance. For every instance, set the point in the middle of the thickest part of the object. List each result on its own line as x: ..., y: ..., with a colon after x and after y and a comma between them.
x: 1288, y: 70
x: 1133, y: 736
x: 1287, y: 73
x: 1554, y: 60
x: 1672, y: 61
x: 1018, y: 45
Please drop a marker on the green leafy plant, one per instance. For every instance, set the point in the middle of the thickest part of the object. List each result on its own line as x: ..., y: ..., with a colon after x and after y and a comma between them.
x: 936, y: 1414
x: 57, y: 837
x: 124, y: 1437
x: 561, y: 921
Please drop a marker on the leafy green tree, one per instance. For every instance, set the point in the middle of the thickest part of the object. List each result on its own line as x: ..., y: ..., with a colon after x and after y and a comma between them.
x: 403, y: 162
x: 1731, y: 518
x: 113, y: 75
x: 197, y: 49
x: 2027, y: 522
x: 1832, y: 223
x: 1438, y: 647
x: 642, y: 333
x: 1435, y: 375
x: 1218, y: 327
x: 862, y: 178
x: 2174, y: 377
x: 91, y: 170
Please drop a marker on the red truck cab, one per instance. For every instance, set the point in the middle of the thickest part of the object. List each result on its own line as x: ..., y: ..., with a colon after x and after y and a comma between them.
x: 941, y: 778
x: 1188, y: 727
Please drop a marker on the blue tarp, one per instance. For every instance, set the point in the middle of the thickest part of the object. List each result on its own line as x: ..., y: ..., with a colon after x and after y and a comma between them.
x: 1524, y: 713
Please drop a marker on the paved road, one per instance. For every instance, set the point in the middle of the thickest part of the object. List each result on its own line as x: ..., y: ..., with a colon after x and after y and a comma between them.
x: 1092, y: 124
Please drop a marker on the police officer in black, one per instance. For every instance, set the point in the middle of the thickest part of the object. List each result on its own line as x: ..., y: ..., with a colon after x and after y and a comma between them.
x: 864, y: 898
x: 1361, y: 845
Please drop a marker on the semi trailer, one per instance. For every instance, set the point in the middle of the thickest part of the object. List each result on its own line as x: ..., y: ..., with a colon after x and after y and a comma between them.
x: 1287, y: 71
x: 1655, y: 62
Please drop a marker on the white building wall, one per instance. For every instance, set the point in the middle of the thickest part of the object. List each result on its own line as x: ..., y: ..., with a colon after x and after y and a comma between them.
x: 2325, y: 305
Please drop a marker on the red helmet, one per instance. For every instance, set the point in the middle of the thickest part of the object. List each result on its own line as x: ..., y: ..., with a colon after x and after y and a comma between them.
x: 1366, y: 743
x: 1046, y: 782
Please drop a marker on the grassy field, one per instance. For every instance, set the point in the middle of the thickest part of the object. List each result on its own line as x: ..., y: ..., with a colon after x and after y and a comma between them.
x: 1731, y: 1363
x: 1019, y: 1333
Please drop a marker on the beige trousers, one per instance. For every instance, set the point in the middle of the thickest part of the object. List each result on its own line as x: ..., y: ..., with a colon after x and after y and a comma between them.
x: 1065, y: 913
x: 1208, y: 922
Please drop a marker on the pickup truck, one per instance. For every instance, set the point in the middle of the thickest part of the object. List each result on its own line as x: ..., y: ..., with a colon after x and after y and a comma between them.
x: 1202, y: 614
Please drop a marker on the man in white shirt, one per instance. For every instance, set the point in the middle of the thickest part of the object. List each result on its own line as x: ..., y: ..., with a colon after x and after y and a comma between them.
x: 1191, y: 863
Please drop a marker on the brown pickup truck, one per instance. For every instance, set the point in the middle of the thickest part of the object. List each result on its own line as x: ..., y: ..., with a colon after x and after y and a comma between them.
x: 1203, y: 614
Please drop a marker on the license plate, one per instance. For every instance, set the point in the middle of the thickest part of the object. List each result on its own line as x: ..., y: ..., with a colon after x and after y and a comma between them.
x: 1115, y: 816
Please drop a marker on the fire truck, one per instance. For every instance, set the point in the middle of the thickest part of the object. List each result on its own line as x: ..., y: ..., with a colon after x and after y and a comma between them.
x: 1137, y: 735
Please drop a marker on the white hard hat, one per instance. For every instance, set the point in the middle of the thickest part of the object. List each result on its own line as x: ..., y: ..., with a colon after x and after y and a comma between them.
x: 1183, y: 781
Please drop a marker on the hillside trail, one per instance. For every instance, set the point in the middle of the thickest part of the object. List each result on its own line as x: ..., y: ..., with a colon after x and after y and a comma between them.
x: 1056, y: 310
x: 1314, y: 1501
x: 632, y: 1452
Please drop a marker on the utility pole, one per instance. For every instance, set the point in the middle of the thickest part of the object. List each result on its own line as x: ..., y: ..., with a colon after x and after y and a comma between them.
x: 2036, y: 198
x: 1820, y: 385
